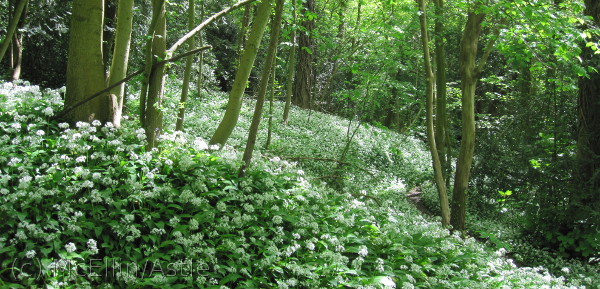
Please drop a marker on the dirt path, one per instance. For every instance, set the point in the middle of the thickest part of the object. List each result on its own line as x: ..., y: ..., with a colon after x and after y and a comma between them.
x: 414, y: 197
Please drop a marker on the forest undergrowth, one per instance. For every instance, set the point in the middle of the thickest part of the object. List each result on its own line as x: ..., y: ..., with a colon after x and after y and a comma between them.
x: 86, y: 207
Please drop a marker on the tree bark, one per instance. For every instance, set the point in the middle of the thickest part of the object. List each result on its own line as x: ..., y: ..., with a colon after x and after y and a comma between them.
x: 188, y: 69
x: 200, y: 79
x: 264, y: 83
x: 469, y: 77
x: 431, y: 135
x: 291, y: 67
x: 303, y: 82
x: 441, y: 123
x: 154, y: 116
x: 120, y: 58
x: 588, y: 140
x: 85, y: 66
x: 271, y: 104
x: 234, y: 104
x: 12, y: 27
x: 149, y: 61
x: 243, y: 32
x: 16, y: 61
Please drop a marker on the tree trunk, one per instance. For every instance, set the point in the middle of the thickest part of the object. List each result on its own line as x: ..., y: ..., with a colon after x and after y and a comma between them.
x: 200, y: 80
x: 441, y: 123
x: 188, y: 69
x: 16, y: 61
x: 469, y: 77
x: 149, y: 60
x: 303, y: 82
x: 120, y: 58
x: 264, y: 83
x: 12, y: 27
x: 243, y: 32
x: 154, y: 115
x: 291, y: 67
x: 431, y: 135
x: 234, y: 104
x: 85, y: 67
x: 588, y: 142
x: 110, y: 28
x: 16, y: 56
x: 271, y: 104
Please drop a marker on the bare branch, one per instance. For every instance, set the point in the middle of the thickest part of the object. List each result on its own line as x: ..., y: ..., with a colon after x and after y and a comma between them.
x: 209, y: 20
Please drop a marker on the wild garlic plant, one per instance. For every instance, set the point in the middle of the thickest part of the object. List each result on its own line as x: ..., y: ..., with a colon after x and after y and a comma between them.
x: 86, y: 206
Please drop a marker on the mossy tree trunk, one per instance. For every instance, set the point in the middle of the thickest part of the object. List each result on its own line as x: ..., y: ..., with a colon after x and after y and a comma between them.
x: 234, y: 104
x: 264, y: 83
x: 431, y: 134
x: 441, y: 123
x: 85, y: 66
x: 120, y: 58
x: 469, y: 77
x: 153, y: 122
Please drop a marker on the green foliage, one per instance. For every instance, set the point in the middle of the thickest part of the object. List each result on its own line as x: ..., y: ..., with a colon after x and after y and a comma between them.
x: 88, y: 199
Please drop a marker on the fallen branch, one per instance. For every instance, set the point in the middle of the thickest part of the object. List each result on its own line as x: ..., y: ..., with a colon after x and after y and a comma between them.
x: 129, y: 77
x: 366, y: 196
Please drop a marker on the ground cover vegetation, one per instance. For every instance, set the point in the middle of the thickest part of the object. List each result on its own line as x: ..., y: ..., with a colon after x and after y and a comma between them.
x: 253, y: 144
x: 87, y: 206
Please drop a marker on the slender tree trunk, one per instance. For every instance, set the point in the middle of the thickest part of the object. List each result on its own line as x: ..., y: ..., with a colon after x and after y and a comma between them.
x: 154, y: 115
x: 16, y: 61
x: 291, y: 68
x: 85, y: 66
x: 188, y: 69
x: 271, y: 103
x: 200, y: 80
x: 469, y: 78
x: 12, y: 27
x: 120, y: 58
x: 264, y: 83
x: 243, y: 73
x: 441, y: 123
x: 16, y: 56
x: 431, y: 134
x: 303, y: 82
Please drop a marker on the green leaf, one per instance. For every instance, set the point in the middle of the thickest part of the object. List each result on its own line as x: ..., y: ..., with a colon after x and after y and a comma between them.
x: 230, y: 278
